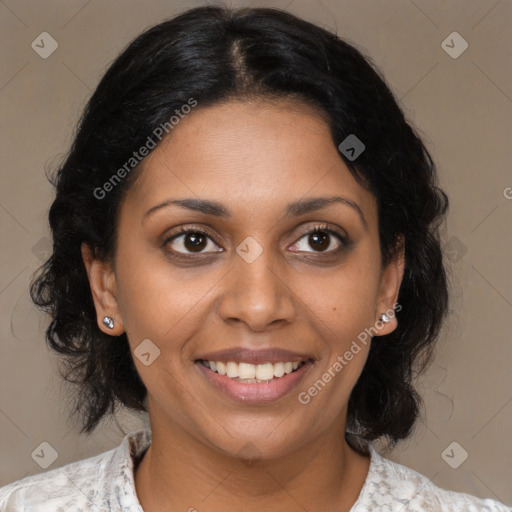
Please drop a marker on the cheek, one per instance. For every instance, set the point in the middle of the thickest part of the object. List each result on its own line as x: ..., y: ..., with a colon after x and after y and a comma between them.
x: 166, y: 305
x: 161, y: 301
x: 342, y: 300
x: 344, y: 310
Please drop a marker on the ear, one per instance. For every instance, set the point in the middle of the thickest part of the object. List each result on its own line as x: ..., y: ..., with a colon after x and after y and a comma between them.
x: 104, y: 291
x: 390, y: 281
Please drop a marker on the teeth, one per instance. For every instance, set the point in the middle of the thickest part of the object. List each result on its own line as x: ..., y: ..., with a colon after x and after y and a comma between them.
x: 264, y: 371
x: 251, y: 381
x: 221, y: 367
x: 278, y: 369
x: 245, y: 372
x: 231, y: 369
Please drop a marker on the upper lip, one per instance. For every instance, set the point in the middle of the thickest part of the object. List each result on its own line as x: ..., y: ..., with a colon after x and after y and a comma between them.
x: 245, y: 355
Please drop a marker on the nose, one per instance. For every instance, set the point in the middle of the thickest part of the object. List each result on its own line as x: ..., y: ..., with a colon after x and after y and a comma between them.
x: 257, y: 294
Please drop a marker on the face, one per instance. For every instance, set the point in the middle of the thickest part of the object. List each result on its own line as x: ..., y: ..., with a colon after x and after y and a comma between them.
x: 248, y: 276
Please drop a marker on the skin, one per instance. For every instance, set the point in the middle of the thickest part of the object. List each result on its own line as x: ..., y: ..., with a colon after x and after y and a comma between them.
x: 254, y: 158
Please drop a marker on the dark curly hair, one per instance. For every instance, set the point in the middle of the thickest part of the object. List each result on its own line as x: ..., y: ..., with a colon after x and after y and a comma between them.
x: 215, y: 54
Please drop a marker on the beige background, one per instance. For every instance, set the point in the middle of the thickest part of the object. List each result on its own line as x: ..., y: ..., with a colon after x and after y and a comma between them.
x: 463, y: 108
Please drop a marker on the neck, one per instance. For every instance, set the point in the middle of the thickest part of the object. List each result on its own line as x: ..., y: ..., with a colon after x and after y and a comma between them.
x: 179, y: 472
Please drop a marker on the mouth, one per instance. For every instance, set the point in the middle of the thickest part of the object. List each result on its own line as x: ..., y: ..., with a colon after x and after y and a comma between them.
x: 254, y: 377
x: 252, y: 373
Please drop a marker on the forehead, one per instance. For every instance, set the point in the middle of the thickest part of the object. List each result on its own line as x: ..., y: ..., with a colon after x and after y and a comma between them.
x: 251, y: 155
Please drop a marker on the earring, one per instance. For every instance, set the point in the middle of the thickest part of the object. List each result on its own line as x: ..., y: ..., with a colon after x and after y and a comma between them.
x: 384, y: 318
x: 108, y: 321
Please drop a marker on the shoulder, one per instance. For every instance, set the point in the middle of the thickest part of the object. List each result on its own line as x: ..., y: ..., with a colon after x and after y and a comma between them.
x: 102, y: 482
x: 390, y: 484
x: 69, y: 486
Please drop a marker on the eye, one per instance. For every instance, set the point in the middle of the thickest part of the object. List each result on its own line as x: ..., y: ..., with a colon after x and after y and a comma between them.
x: 320, y: 238
x: 192, y: 240
x: 195, y: 240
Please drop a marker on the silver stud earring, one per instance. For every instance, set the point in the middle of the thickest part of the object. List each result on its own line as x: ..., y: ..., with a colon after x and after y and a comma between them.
x: 384, y: 318
x: 108, y: 321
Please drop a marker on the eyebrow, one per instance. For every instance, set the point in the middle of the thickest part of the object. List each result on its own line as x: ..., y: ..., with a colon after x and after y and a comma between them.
x: 296, y: 208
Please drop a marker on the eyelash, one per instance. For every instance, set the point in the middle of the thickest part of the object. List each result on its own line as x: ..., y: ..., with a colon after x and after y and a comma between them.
x: 319, y: 228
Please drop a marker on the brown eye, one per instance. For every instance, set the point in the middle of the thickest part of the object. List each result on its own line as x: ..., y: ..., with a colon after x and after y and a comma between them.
x: 192, y: 241
x: 195, y: 241
x: 320, y: 239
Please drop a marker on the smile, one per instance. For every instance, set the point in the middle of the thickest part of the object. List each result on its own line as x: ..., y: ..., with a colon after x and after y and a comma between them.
x: 254, y: 383
x: 252, y: 373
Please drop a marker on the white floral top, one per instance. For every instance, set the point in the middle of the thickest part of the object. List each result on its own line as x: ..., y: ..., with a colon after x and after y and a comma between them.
x: 105, y: 482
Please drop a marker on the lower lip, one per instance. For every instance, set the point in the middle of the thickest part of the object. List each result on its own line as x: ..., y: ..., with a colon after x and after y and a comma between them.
x: 253, y: 392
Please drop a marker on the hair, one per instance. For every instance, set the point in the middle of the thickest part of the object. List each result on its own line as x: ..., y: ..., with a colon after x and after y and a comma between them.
x: 214, y: 55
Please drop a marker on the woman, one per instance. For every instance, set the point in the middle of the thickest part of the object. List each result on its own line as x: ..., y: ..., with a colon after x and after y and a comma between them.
x: 246, y: 245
